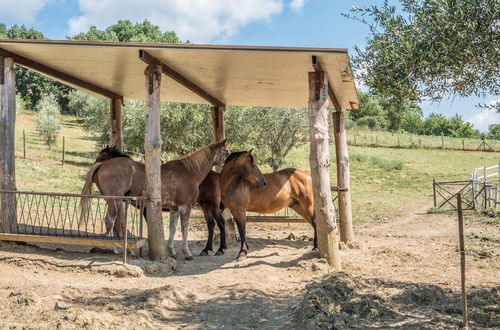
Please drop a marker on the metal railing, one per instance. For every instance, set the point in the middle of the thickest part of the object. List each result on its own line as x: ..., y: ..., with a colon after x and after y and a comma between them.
x: 59, y: 218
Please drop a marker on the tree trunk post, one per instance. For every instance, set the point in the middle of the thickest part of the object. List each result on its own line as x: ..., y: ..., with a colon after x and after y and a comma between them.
x: 152, y: 149
x: 8, y: 221
x: 343, y: 180
x: 319, y: 159
x: 116, y: 137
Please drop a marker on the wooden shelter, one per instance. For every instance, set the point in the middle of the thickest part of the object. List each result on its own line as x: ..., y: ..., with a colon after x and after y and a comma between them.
x: 204, y: 74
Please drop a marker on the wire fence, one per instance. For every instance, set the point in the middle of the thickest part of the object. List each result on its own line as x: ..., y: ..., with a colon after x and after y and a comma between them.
x: 409, y: 141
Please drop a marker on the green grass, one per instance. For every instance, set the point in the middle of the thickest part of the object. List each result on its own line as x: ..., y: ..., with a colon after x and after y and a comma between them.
x: 385, y: 182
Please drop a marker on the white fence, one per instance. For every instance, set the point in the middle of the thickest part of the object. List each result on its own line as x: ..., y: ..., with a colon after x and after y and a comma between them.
x: 486, y: 186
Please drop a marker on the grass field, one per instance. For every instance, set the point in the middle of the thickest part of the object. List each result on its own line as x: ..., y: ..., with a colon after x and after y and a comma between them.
x: 385, y: 182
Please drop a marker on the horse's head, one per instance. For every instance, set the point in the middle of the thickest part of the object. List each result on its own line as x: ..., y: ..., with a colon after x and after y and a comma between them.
x: 243, y: 164
x: 221, y: 153
x: 108, y: 153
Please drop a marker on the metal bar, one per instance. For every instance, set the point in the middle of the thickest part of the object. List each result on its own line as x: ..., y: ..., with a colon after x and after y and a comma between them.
x: 73, y: 195
x: 169, y: 71
x: 434, y: 191
x: 465, y: 318
x: 31, y: 64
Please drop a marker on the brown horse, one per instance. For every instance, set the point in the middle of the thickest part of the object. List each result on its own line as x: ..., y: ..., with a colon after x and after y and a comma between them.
x: 244, y: 188
x: 209, y: 199
x: 180, y: 180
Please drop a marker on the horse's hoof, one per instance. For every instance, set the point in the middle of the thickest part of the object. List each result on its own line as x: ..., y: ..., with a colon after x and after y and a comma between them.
x: 315, y: 249
x: 219, y: 253
x: 203, y: 253
x: 189, y: 258
x: 241, y: 257
x: 173, y: 256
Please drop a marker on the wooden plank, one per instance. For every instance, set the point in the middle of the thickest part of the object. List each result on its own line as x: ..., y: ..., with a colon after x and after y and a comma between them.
x: 116, y: 123
x: 41, y: 68
x: 319, y: 159
x: 275, y: 219
x: 152, y: 149
x: 8, y: 221
x: 343, y: 178
x: 71, y: 240
x: 172, y: 73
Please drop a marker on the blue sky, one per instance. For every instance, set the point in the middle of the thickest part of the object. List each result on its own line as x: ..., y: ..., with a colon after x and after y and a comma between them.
x: 308, y: 23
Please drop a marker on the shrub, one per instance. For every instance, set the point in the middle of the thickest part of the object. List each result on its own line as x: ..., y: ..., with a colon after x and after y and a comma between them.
x: 47, y: 120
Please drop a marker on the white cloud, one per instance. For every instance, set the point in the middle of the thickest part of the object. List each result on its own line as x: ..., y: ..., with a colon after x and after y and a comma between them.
x: 486, y: 117
x: 196, y: 20
x: 21, y: 11
x: 297, y: 4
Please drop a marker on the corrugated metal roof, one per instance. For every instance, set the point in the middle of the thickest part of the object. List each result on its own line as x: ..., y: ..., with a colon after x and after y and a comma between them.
x: 236, y: 75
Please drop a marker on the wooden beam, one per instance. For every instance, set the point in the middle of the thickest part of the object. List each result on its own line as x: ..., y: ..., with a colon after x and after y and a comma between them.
x: 116, y: 137
x: 152, y: 149
x: 319, y: 158
x: 275, y: 219
x: 36, y: 66
x: 172, y: 73
x: 343, y: 180
x: 218, y: 132
x: 8, y: 221
x: 132, y: 244
x: 317, y: 67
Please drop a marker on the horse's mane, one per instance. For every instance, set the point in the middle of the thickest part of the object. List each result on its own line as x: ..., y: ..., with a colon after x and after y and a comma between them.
x: 114, y: 152
x: 234, y: 155
x: 199, y: 160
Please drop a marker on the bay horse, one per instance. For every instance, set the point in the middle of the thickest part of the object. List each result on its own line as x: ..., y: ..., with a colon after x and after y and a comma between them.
x: 180, y: 180
x: 209, y: 199
x: 244, y: 188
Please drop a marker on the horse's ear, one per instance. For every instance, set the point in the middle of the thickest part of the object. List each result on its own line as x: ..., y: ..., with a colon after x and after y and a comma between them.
x: 223, y: 142
x: 250, y: 151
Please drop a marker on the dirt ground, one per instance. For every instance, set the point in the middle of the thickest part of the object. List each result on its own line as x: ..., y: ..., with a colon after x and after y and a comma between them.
x: 414, y: 257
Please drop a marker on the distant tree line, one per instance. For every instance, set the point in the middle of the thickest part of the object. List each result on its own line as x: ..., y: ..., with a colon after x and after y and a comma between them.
x: 379, y: 113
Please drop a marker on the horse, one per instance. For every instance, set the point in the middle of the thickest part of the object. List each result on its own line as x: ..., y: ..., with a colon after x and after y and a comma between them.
x: 209, y: 199
x: 180, y: 180
x: 244, y: 188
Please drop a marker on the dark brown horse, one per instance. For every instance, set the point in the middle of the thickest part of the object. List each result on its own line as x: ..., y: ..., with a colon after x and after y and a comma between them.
x: 180, y: 180
x: 244, y: 188
x: 209, y: 199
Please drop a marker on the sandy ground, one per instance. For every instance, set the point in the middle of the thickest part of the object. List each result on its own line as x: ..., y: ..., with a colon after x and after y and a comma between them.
x: 95, y: 291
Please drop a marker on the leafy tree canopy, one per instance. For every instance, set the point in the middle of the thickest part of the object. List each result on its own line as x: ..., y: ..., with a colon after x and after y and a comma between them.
x: 125, y: 31
x: 430, y: 48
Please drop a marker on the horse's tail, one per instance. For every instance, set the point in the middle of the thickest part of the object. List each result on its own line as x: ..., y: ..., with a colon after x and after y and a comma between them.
x: 87, y: 190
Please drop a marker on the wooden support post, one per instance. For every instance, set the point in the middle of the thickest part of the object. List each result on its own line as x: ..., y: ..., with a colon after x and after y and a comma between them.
x: 116, y: 123
x: 343, y: 180
x: 218, y: 132
x: 319, y: 159
x: 8, y: 221
x: 152, y: 149
x: 63, y: 150
x: 24, y: 144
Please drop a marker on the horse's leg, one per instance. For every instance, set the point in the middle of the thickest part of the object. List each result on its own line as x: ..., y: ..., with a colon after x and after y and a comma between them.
x: 185, y: 212
x: 174, y: 216
x: 310, y: 218
x: 222, y: 229
x: 240, y: 217
x: 210, y: 225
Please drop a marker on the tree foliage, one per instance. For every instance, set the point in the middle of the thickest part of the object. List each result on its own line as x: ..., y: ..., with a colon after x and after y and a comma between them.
x: 47, y: 119
x: 430, y: 48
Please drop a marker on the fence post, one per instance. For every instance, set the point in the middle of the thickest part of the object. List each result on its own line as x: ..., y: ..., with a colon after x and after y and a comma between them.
x: 63, y: 150
x: 24, y: 144
x: 442, y: 141
x: 419, y: 143
x: 376, y: 140
x: 398, y: 142
x: 465, y: 317
x: 354, y: 139
x: 463, y: 145
x: 484, y: 187
x: 434, y: 190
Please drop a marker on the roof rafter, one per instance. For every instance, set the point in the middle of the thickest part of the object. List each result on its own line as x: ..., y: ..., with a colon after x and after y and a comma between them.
x: 169, y: 71
x: 42, y: 68
x: 331, y: 93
